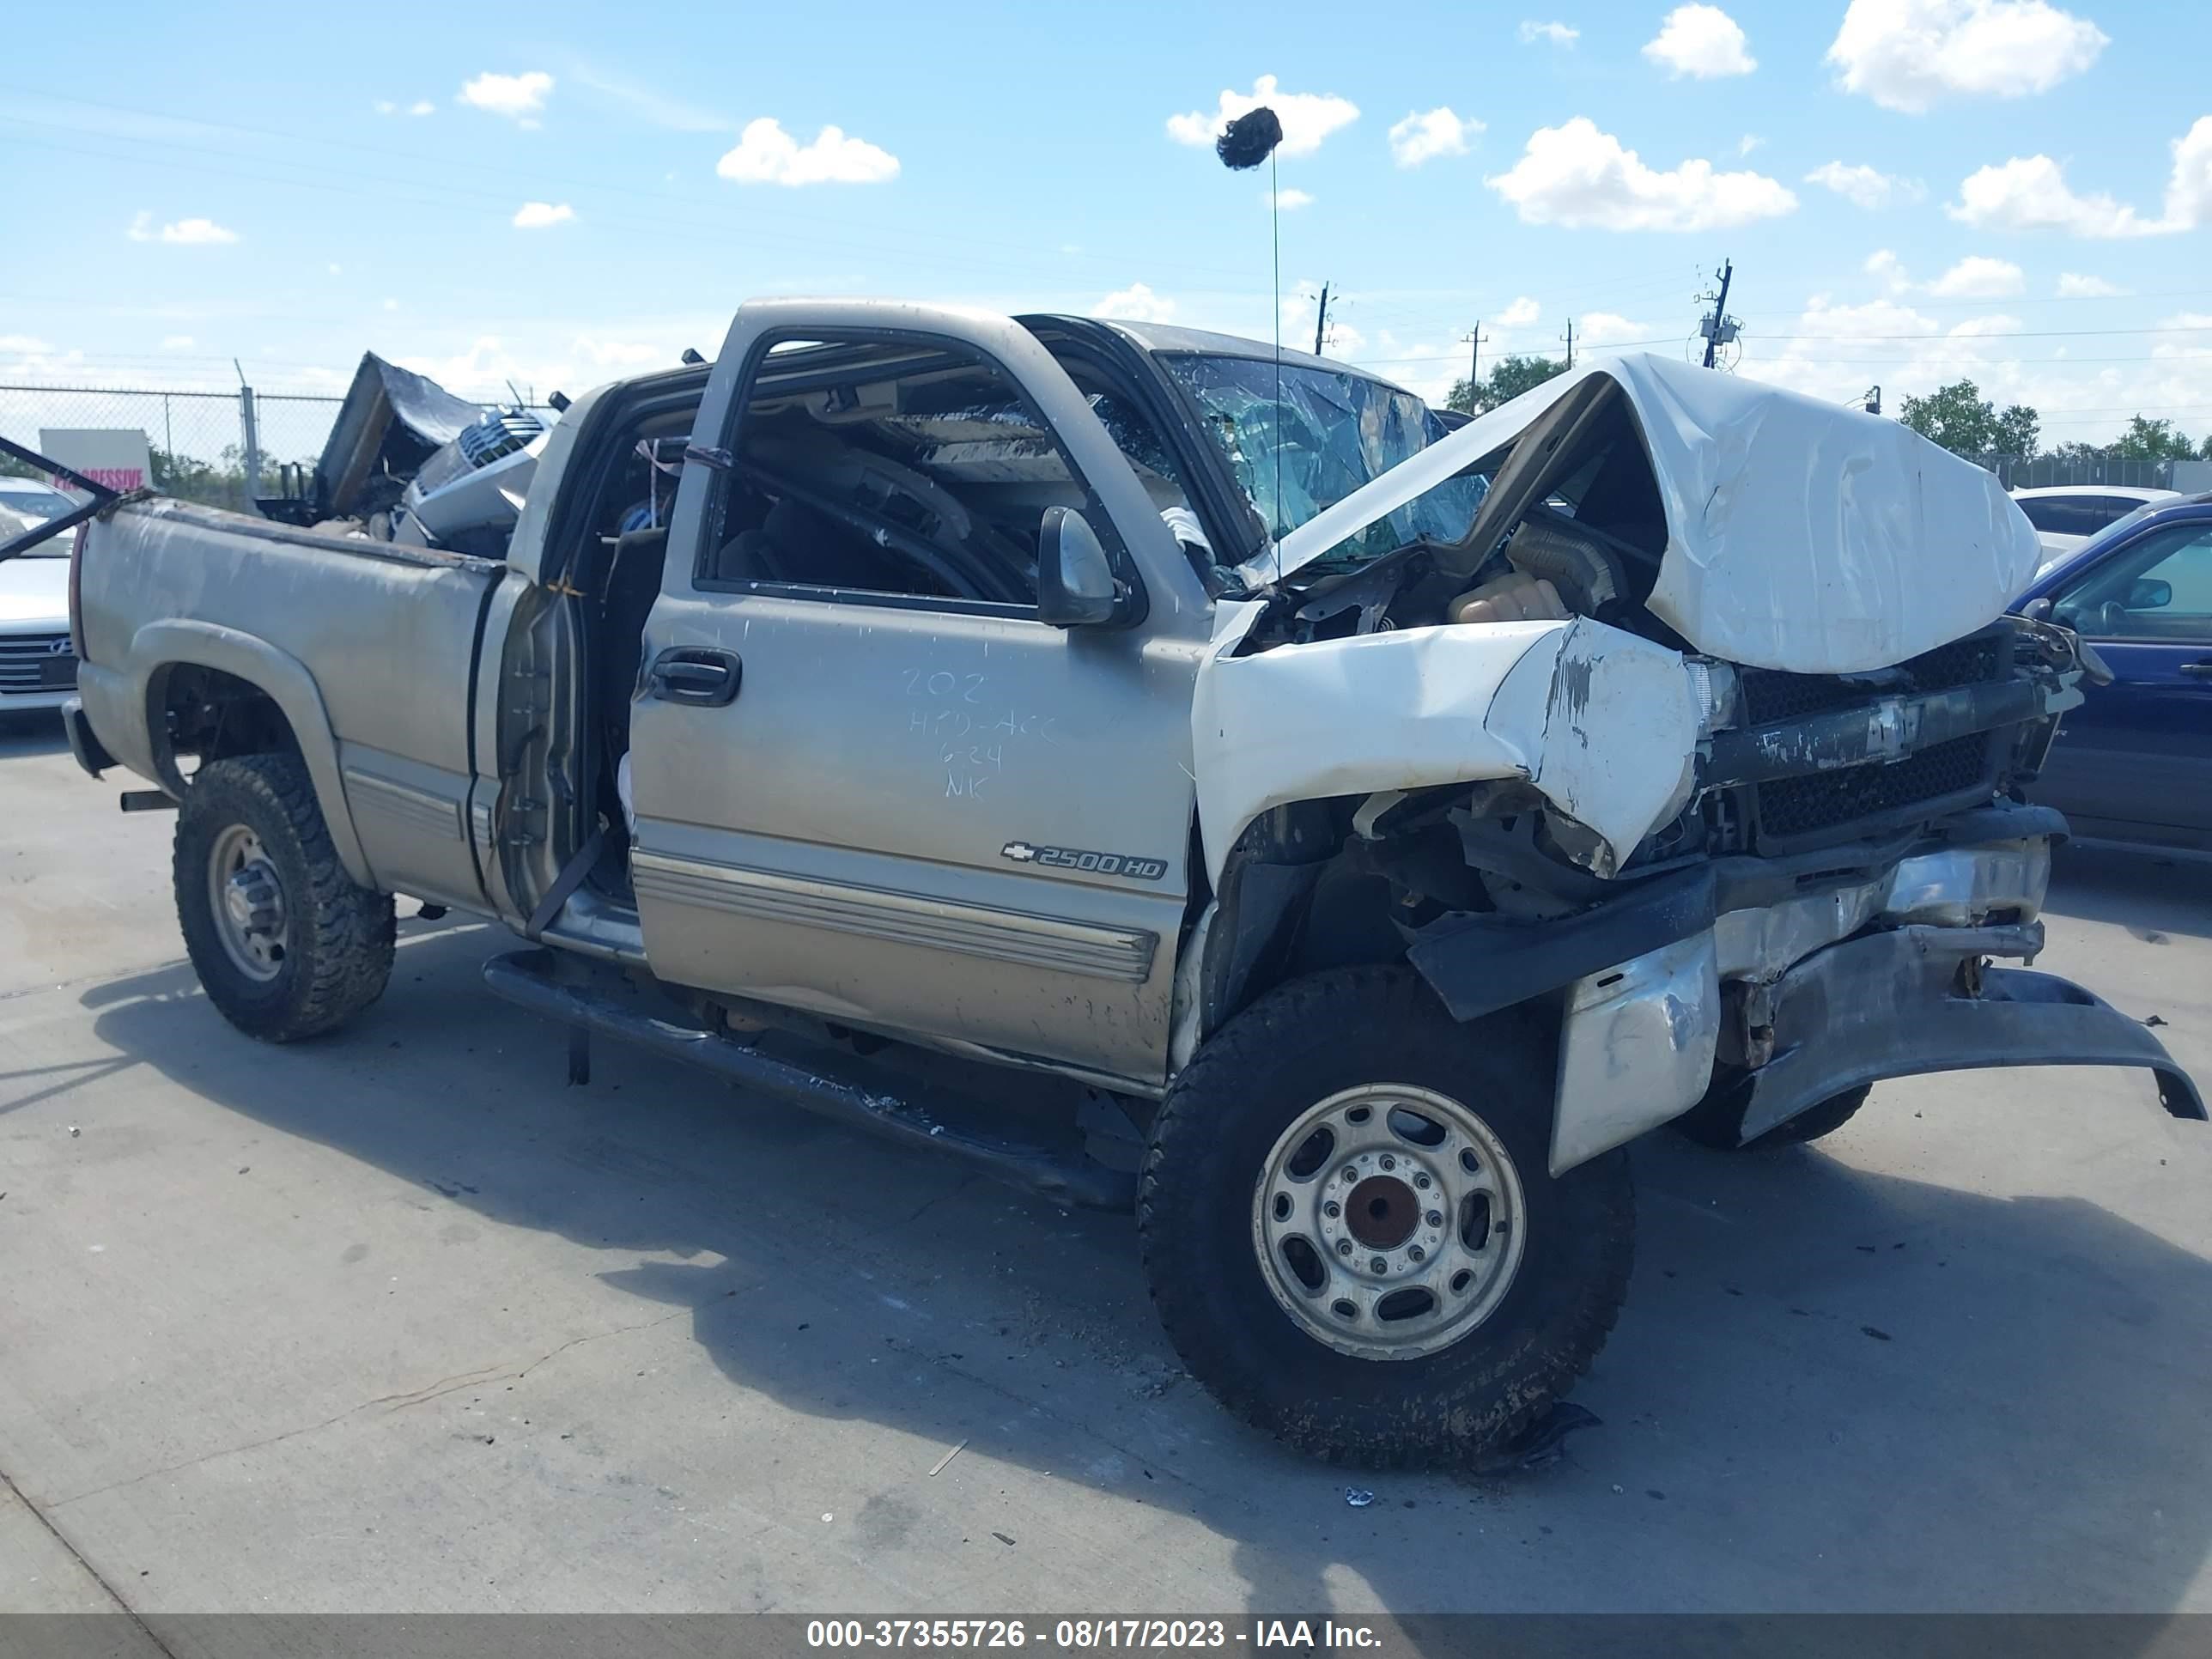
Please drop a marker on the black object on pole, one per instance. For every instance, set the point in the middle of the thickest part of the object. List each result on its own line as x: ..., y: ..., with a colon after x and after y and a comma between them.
x: 1320, y: 321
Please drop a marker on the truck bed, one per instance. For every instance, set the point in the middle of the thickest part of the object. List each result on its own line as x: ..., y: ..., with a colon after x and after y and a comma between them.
x: 369, y: 648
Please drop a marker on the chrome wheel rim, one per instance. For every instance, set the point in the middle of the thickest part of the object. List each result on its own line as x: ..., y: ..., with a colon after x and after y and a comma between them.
x: 248, y: 902
x: 1388, y: 1221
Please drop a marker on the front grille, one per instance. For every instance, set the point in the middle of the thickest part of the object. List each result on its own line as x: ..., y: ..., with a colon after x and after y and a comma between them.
x: 1789, y: 807
x: 1770, y: 695
x: 36, y: 662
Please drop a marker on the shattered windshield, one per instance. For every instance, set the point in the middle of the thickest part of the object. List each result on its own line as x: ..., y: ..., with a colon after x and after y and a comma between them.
x: 1330, y: 434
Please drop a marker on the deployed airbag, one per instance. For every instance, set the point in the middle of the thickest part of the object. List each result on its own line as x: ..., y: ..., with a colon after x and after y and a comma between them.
x: 1801, y: 535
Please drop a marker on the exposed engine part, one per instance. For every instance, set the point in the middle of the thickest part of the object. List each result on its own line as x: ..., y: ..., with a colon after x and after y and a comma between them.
x: 1590, y: 575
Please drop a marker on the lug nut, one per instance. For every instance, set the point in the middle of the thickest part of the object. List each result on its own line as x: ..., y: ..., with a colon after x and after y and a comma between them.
x: 1417, y: 1253
x: 1380, y: 1265
x: 1389, y: 1162
x: 1422, y: 1181
x: 1434, y: 1218
x: 1332, y: 1209
x: 1344, y: 1247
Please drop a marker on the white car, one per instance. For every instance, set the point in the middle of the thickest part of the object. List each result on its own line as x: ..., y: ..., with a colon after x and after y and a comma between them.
x: 2066, y: 515
x: 38, y: 666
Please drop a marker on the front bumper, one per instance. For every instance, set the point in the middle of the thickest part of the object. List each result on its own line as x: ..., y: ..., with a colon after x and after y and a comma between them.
x: 1795, y: 993
x: 1902, y: 1003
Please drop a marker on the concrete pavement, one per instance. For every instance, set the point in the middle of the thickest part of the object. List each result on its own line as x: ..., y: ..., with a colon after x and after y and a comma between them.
x: 397, y: 1322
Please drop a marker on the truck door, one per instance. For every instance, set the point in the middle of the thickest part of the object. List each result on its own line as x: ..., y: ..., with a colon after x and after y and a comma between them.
x: 2135, y: 761
x: 872, y: 782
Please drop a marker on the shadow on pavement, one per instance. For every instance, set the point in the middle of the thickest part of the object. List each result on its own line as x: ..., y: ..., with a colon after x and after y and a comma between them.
x: 35, y: 731
x: 1832, y: 1388
x: 2142, y: 892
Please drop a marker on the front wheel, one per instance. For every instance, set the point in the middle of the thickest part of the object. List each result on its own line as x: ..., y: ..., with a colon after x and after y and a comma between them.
x: 286, y: 943
x: 1350, y: 1235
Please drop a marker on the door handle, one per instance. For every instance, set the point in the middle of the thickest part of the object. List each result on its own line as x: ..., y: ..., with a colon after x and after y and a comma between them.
x: 2201, y: 671
x: 701, y: 676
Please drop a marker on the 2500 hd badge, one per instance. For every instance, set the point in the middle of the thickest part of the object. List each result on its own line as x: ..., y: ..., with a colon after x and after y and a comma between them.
x: 1075, y: 857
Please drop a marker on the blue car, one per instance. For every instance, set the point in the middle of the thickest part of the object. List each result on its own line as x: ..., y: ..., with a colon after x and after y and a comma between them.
x: 2133, y: 765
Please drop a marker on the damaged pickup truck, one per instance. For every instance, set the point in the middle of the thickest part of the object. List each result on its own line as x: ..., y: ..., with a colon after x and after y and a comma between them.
x: 1385, y: 825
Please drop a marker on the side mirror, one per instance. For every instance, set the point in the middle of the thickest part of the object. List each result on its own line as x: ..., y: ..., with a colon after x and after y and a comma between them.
x: 2149, y: 594
x: 1075, y: 580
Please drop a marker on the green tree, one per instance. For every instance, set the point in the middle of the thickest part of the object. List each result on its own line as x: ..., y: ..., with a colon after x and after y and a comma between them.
x: 2151, y: 441
x: 1962, y: 421
x: 1507, y: 379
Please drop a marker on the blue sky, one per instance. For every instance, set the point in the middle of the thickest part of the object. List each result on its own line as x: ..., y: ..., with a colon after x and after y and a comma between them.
x: 1911, y: 190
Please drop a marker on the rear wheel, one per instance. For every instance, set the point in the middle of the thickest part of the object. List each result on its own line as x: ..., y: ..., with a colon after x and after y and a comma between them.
x: 286, y: 945
x: 1350, y: 1231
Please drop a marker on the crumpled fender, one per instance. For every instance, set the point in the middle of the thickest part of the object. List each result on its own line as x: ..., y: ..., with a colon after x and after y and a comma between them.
x: 1604, y: 723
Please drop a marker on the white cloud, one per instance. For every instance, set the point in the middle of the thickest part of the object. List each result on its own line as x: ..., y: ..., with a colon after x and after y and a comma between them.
x: 1137, y: 304
x: 1577, y: 175
x: 1750, y: 142
x: 1834, y: 360
x: 1907, y: 54
x: 1288, y: 200
x: 1521, y: 313
x: 541, y: 216
x: 190, y: 231
x: 517, y: 97
x: 1423, y: 138
x: 25, y: 343
x: 1865, y: 186
x: 420, y: 106
x: 1557, y: 34
x: 2031, y: 193
x: 1700, y: 40
x: 1979, y: 277
x: 1597, y: 328
x: 1885, y: 267
x: 385, y: 106
x: 766, y: 155
x: 2073, y: 286
x: 176, y: 343
x: 392, y: 304
x: 335, y: 267
x: 1308, y: 118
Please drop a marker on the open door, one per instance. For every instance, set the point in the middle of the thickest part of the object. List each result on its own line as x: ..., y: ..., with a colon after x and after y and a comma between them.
x: 888, y: 767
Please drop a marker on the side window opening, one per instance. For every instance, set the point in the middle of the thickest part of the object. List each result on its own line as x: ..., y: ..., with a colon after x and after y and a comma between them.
x: 2160, y: 590
x: 893, y: 468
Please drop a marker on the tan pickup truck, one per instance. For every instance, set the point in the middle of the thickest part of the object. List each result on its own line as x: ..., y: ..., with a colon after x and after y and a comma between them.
x: 1387, y: 822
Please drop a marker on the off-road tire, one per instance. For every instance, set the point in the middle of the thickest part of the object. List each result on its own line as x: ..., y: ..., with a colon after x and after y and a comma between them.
x: 1297, y: 1046
x: 339, y: 944
x: 1718, y: 1123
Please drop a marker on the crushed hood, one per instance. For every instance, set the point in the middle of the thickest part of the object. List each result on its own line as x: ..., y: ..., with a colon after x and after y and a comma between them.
x: 1800, y: 535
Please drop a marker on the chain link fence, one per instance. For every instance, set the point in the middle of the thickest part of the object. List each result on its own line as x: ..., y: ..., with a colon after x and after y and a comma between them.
x: 2051, y: 472
x: 198, y: 439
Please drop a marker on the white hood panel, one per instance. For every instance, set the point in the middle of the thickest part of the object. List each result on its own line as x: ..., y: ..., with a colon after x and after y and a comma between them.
x: 1604, y: 723
x: 1800, y: 536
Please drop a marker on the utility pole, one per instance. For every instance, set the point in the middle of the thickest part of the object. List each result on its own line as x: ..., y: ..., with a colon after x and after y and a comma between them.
x: 1320, y: 321
x: 1571, y: 343
x: 1719, y: 328
x: 249, y: 432
x: 1474, y: 342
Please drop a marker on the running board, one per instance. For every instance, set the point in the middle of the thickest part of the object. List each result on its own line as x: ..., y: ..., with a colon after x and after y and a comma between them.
x: 546, y: 983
